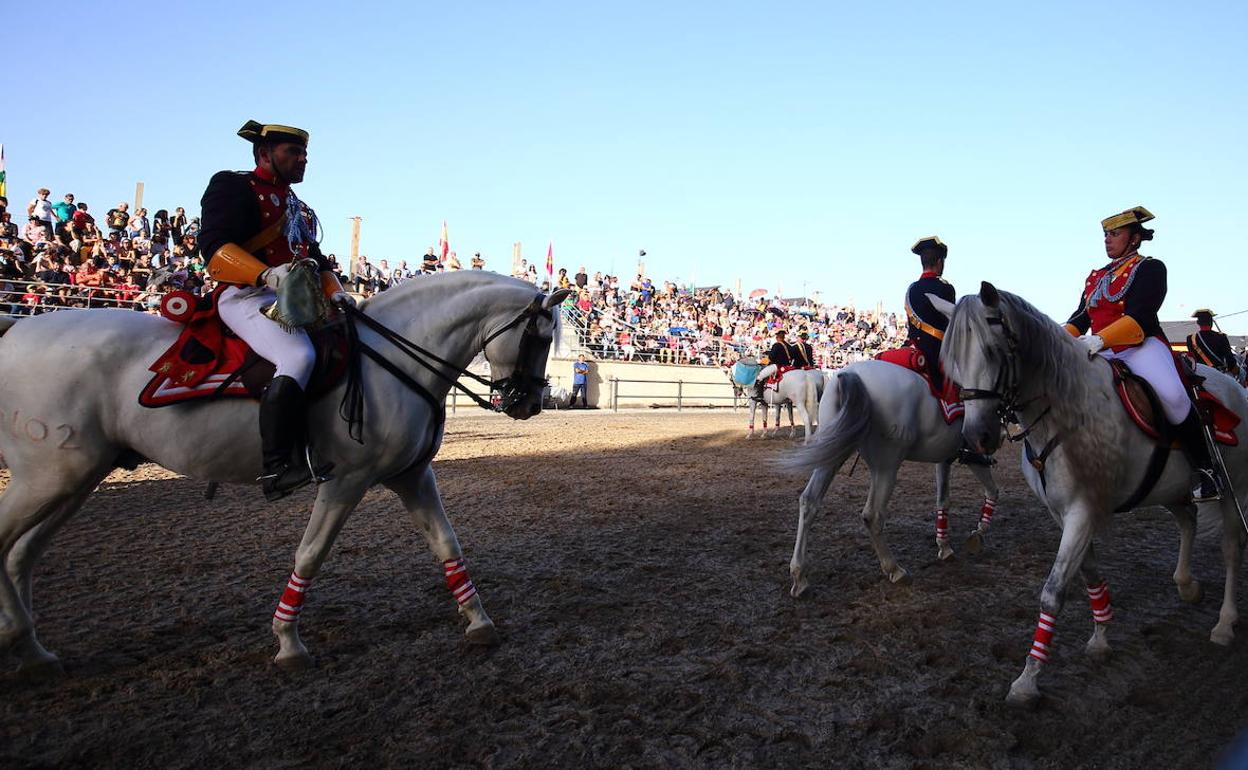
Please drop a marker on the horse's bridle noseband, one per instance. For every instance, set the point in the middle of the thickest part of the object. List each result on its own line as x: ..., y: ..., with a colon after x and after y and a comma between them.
x: 515, y: 387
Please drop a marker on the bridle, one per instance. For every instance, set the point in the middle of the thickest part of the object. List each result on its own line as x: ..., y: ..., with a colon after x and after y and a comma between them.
x: 505, y: 392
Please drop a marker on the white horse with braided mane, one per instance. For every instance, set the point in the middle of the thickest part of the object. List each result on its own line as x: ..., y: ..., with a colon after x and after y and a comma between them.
x: 1090, y: 459
x: 887, y: 414
x: 69, y: 414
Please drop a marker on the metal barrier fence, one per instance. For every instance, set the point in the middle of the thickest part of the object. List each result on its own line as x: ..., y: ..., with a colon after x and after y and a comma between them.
x: 22, y: 298
x: 680, y: 392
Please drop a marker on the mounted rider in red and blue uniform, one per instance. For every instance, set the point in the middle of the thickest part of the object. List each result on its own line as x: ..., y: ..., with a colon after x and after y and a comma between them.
x: 779, y: 360
x: 927, y: 324
x: 1210, y: 347
x: 254, y: 229
x: 1119, y: 304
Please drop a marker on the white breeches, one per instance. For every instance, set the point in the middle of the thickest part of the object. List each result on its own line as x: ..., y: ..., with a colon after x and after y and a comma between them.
x: 1152, y: 361
x: 291, y: 352
x: 766, y: 372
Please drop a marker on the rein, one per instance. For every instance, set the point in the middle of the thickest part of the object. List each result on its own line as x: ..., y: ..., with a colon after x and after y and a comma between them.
x: 512, y: 388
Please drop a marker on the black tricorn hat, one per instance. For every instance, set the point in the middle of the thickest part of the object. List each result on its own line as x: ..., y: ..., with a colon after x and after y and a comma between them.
x: 272, y: 133
x: 930, y: 243
x: 1203, y: 315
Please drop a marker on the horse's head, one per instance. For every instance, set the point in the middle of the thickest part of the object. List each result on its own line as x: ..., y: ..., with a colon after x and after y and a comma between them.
x: 980, y: 353
x: 517, y: 354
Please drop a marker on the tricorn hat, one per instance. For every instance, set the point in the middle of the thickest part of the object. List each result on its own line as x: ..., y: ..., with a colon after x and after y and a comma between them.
x: 1132, y: 216
x: 1203, y: 314
x: 930, y: 243
x: 273, y: 133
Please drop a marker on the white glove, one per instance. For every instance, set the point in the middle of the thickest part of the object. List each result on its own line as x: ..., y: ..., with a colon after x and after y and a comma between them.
x: 274, y: 276
x: 1093, y: 344
x: 340, y: 298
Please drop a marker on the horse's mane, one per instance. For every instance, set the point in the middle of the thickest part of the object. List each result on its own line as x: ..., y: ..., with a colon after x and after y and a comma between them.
x: 1050, y: 364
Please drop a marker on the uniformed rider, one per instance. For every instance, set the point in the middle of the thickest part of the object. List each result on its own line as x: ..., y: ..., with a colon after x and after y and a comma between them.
x: 927, y: 324
x: 780, y: 355
x: 803, y: 353
x: 254, y: 229
x: 1119, y: 304
x: 1211, y: 347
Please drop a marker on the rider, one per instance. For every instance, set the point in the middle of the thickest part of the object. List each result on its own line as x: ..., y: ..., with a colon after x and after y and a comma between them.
x: 803, y: 353
x: 254, y: 230
x: 1119, y: 304
x: 780, y: 355
x: 1210, y: 347
x: 927, y: 324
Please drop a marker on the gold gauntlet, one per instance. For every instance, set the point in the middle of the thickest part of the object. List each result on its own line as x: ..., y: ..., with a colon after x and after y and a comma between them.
x: 1124, y: 331
x: 233, y: 264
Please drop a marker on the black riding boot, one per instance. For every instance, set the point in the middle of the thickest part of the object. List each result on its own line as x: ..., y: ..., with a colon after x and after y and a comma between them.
x: 1191, y: 433
x: 282, y: 418
x: 968, y: 456
x: 758, y: 391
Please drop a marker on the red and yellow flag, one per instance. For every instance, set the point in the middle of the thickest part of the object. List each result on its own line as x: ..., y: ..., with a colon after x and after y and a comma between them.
x: 444, y: 244
x: 550, y: 263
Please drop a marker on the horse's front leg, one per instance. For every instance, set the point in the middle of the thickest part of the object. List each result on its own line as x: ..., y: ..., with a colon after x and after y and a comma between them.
x: 1232, y: 560
x: 1076, y: 538
x: 334, y: 502
x: 753, y: 411
x: 975, y: 543
x: 944, y: 551
x: 807, y: 509
x: 1190, y: 590
x: 1098, y: 599
x: 419, y: 492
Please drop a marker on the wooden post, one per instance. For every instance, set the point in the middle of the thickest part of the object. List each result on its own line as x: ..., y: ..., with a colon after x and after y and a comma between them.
x: 355, y: 246
x: 138, y: 196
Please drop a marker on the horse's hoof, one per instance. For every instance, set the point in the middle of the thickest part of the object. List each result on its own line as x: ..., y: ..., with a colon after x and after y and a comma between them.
x: 944, y: 552
x: 975, y: 543
x: 1022, y: 697
x: 1222, y: 636
x: 482, y: 634
x: 900, y: 577
x: 1192, y: 593
x: 293, y: 664
x: 41, y: 670
x: 1099, y: 653
x: 799, y: 587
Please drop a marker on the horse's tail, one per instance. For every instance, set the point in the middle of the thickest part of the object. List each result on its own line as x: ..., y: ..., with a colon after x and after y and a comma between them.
x: 812, y: 395
x: 836, y: 441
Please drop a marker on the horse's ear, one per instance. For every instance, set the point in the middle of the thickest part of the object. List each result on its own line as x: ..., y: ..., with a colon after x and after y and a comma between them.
x: 943, y: 305
x: 989, y: 294
x: 555, y: 298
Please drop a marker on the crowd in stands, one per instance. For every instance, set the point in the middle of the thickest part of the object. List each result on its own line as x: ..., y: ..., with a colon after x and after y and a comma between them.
x: 648, y: 321
x: 60, y: 256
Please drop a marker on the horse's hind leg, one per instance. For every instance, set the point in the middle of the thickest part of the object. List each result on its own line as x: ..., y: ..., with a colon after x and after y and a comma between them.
x: 807, y: 509
x: 1232, y: 559
x: 334, y: 502
x: 943, y: 550
x: 883, y: 479
x: 24, y: 507
x: 1189, y: 588
x: 419, y: 492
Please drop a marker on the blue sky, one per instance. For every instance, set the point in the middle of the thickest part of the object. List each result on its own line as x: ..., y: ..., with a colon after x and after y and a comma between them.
x: 785, y: 145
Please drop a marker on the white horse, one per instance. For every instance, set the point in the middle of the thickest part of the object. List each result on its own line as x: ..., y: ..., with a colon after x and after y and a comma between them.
x: 69, y: 413
x: 888, y: 415
x: 798, y: 387
x: 1084, y: 458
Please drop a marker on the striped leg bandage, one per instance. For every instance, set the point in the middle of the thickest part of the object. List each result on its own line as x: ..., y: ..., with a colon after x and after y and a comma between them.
x: 458, y: 581
x: 985, y: 513
x: 1044, y: 638
x: 291, y: 603
x: 1098, y: 597
x: 942, y: 524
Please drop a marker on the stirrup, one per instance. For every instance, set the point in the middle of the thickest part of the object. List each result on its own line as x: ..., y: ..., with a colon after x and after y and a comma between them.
x: 1205, y: 486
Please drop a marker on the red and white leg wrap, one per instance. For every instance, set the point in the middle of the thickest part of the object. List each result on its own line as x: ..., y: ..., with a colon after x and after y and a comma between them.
x: 1098, y: 597
x: 985, y: 513
x: 942, y: 524
x: 1044, y: 638
x: 458, y: 581
x: 291, y: 603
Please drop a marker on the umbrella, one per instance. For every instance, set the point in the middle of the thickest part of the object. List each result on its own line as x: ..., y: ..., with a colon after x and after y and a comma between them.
x: 758, y: 293
x: 777, y: 311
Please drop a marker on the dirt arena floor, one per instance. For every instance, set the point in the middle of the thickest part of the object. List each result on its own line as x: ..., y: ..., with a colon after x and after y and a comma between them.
x: 637, y: 568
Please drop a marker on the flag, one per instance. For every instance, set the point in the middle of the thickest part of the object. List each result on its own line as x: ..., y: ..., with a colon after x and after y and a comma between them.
x: 550, y: 263
x: 3, y: 185
x: 515, y: 257
x: 444, y: 244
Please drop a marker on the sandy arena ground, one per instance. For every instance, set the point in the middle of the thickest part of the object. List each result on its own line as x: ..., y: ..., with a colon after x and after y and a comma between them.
x: 637, y: 568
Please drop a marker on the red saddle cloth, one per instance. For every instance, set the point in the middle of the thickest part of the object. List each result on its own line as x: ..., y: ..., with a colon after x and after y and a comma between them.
x: 208, y: 361
x: 1142, y: 406
x: 910, y: 357
x: 774, y: 380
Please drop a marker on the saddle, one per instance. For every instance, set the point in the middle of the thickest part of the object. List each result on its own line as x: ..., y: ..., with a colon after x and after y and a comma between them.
x: 773, y: 381
x: 1143, y: 407
x: 910, y: 357
x: 208, y: 361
